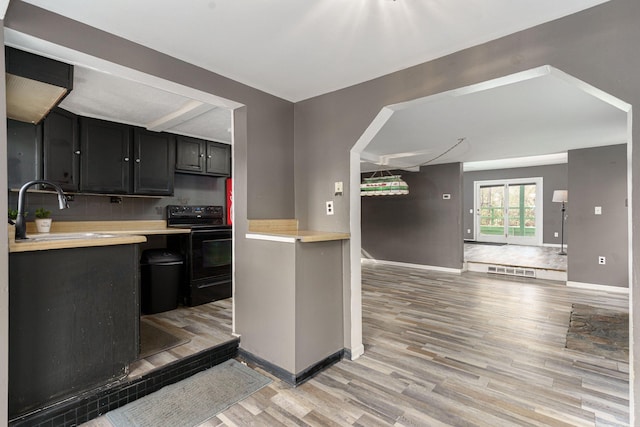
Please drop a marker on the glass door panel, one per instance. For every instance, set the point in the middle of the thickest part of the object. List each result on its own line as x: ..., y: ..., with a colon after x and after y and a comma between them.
x: 491, y: 211
x: 522, y: 210
x: 508, y: 211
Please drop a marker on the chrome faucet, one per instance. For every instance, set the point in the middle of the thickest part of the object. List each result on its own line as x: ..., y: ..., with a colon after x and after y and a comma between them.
x: 21, y: 227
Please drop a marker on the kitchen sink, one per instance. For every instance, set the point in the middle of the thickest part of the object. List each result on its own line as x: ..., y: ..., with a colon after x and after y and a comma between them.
x: 64, y: 236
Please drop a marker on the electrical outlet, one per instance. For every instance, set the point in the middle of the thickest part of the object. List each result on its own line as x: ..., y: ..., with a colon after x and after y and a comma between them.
x: 468, y: 231
x: 555, y: 234
x: 602, y: 260
x: 329, y: 207
x: 338, y: 188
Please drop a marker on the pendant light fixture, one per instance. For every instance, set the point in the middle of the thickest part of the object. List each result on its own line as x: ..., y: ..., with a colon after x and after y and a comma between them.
x: 383, y: 185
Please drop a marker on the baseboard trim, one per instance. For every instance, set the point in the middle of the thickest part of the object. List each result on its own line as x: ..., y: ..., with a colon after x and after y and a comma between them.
x: 286, y: 376
x: 409, y: 265
x: 353, y: 354
x: 598, y: 287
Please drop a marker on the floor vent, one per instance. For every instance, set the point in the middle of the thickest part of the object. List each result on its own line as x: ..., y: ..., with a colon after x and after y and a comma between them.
x: 512, y: 271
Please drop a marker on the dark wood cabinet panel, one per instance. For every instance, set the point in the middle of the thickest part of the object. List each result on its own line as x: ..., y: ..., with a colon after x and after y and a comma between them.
x: 73, y: 322
x: 202, y: 157
x: 61, y: 149
x: 106, y: 156
x: 154, y: 161
x: 190, y: 154
x: 24, y: 145
x: 218, y: 159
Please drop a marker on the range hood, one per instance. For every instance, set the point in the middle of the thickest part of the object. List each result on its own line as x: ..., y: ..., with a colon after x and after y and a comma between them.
x: 35, y: 84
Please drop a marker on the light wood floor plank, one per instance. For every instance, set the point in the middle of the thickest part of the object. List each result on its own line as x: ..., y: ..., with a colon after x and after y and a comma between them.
x: 446, y: 350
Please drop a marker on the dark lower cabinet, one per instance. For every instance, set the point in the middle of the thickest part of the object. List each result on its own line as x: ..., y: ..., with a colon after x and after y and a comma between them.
x: 73, y: 322
x: 61, y: 149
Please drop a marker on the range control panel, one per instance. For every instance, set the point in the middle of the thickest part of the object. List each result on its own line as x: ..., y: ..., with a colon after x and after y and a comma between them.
x: 194, y: 215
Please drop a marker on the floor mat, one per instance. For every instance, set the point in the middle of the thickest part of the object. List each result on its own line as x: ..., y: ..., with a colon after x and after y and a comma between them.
x: 192, y: 401
x: 155, y: 338
x: 599, y: 331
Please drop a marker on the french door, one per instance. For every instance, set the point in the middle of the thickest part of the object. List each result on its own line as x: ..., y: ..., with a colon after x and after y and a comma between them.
x: 509, y: 211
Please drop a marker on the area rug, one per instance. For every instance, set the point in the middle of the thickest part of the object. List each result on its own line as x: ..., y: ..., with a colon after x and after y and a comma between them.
x: 599, y: 331
x: 192, y: 401
x: 155, y: 338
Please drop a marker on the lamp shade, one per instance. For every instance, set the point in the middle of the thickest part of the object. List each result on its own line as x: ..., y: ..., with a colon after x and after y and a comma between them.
x: 560, y: 196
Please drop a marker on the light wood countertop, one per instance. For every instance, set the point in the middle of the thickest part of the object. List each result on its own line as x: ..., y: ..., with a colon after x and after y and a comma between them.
x: 286, y: 230
x: 120, y: 233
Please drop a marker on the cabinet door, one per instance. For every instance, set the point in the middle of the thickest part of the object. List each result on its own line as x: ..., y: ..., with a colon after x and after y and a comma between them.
x: 62, y: 149
x: 24, y: 142
x: 105, y: 163
x: 190, y: 154
x: 218, y: 159
x: 154, y: 160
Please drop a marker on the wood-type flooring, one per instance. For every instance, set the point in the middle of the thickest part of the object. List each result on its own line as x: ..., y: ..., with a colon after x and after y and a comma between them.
x: 454, y: 350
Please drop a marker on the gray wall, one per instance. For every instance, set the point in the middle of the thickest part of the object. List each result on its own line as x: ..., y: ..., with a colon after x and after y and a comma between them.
x: 270, y: 331
x: 554, y: 177
x: 319, y: 302
x: 598, y: 177
x: 421, y: 227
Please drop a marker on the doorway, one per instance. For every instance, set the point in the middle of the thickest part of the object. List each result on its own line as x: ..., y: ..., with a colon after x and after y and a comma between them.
x: 509, y: 211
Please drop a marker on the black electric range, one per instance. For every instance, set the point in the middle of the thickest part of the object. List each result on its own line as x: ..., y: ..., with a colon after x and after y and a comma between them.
x: 207, y: 250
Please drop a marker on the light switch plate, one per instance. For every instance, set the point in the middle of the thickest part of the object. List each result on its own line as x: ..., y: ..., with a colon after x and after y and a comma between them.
x: 598, y: 210
x: 446, y: 196
x: 338, y: 188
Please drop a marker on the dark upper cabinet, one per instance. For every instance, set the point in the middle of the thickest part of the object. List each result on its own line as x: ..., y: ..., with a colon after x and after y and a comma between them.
x: 153, y: 162
x: 61, y: 149
x: 202, y: 157
x: 24, y: 145
x: 105, y: 156
x: 190, y: 154
x: 218, y: 159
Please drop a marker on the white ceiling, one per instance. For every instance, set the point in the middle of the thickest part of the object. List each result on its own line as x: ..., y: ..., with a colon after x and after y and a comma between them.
x: 535, y: 113
x: 105, y: 96
x: 297, y: 49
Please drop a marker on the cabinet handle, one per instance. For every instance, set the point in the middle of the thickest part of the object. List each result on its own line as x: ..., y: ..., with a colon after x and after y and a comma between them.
x: 77, y: 152
x: 137, y: 160
x: 209, y: 156
x: 126, y: 159
x: 201, y: 155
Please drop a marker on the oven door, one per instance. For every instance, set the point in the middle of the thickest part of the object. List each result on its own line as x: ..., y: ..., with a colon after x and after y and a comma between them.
x: 210, y: 256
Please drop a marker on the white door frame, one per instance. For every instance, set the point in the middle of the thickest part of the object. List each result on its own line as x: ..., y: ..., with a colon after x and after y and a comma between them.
x: 535, y: 240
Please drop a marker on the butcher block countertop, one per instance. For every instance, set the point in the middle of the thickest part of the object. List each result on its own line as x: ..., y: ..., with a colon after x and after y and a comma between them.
x: 286, y: 230
x: 79, y: 234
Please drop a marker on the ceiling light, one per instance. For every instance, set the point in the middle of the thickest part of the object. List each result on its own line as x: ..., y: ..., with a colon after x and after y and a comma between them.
x: 385, y: 185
